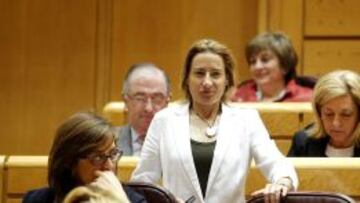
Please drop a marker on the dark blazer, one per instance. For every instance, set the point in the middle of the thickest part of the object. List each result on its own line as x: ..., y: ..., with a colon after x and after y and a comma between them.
x: 47, y: 195
x: 124, y: 141
x: 43, y: 195
x: 305, y: 146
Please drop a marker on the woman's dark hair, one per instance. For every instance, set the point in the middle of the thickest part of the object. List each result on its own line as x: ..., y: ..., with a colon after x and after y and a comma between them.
x: 211, y: 46
x: 280, y: 45
x: 77, y: 137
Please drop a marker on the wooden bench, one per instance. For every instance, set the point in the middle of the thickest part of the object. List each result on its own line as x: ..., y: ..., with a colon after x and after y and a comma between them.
x: 24, y: 173
x: 281, y: 119
x: 115, y: 112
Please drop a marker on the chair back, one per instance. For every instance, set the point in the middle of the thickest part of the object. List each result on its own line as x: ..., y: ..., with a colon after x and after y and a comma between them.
x: 308, y: 197
x: 306, y: 81
x: 153, y: 193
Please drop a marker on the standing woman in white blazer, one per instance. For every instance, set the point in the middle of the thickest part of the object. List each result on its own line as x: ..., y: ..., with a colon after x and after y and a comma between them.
x: 204, y: 147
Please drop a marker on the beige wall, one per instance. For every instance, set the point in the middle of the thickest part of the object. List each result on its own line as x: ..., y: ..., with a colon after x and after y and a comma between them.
x: 331, y: 36
x: 326, y: 33
x: 47, y: 69
x: 59, y: 57
x: 162, y: 31
x: 62, y: 56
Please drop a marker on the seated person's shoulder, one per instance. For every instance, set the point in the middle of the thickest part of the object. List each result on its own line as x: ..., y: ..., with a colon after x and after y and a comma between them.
x: 305, y: 145
x: 40, y: 195
x: 134, y: 196
x: 244, y: 92
x: 302, y: 136
x: 246, y: 84
x: 306, y: 81
x: 245, y: 87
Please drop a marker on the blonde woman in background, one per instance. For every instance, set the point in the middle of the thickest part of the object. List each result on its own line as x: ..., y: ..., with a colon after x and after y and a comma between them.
x: 336, y: 106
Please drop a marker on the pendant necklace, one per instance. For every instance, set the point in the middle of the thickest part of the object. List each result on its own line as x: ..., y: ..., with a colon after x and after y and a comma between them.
x: 211, y: 129
x: 210, y: 132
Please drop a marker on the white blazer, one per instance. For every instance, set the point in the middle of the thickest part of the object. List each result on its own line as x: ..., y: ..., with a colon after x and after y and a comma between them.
x: 167, y: 155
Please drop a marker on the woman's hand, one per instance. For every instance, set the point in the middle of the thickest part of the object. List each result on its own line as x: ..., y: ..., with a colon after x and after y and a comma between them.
x: 178, y: 200
x: 107, y: 179
x: 274, y: 191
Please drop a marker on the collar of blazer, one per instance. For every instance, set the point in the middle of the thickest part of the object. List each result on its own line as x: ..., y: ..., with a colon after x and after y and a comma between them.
x: 183, y: 146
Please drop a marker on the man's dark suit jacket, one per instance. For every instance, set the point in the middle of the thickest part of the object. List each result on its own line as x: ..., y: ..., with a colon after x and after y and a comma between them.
x: 124, y: 142
x: 305, y: 146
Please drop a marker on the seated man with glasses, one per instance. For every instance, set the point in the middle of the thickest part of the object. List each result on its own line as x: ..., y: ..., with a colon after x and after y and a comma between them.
x: 83, y: 153
x: 146, y: 90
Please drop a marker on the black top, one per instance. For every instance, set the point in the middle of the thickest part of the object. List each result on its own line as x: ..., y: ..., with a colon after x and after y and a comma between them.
x: 305, y: 146
x: 203, y: 155
x: 47, y: 195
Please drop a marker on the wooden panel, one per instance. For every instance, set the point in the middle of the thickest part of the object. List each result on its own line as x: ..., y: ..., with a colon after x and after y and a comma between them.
x: 283, y: 145
x: 115, y: 112
x: 126, y: 166
x: 280, y: 124
x: 308, y: 118
x: 22, y: 179
x: 56, y: 55
x: 332, y: 18
x: 162, y: 31
x: 281, y: 119
x: 14, y: 200
x: 104, y: 42
x: 323, y: 56
x: 2, y: 163
x: 285, y: 16
x: 24, y: 173
x: 48, y: 69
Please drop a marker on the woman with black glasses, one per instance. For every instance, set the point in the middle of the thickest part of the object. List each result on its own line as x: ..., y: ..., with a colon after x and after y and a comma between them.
x: 83, y: 153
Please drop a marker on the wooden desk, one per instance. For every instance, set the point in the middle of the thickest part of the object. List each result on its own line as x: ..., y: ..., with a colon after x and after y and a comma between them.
x: 115, y: 112
x: 23, y: 173
x: 282, y: 119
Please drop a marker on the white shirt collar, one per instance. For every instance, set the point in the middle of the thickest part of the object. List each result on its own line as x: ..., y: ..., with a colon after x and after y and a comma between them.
x: 336, y: 152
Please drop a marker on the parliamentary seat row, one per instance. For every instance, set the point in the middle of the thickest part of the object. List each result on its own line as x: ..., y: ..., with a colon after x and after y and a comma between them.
x: 22, y: 173
x: 282, y: 119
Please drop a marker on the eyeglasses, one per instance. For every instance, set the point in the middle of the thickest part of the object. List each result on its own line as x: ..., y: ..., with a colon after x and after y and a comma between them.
x: 156, y: 100
x: 100, y: 159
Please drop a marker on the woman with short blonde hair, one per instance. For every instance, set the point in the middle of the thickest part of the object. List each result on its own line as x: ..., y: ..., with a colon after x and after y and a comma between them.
x: 336, y: 131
